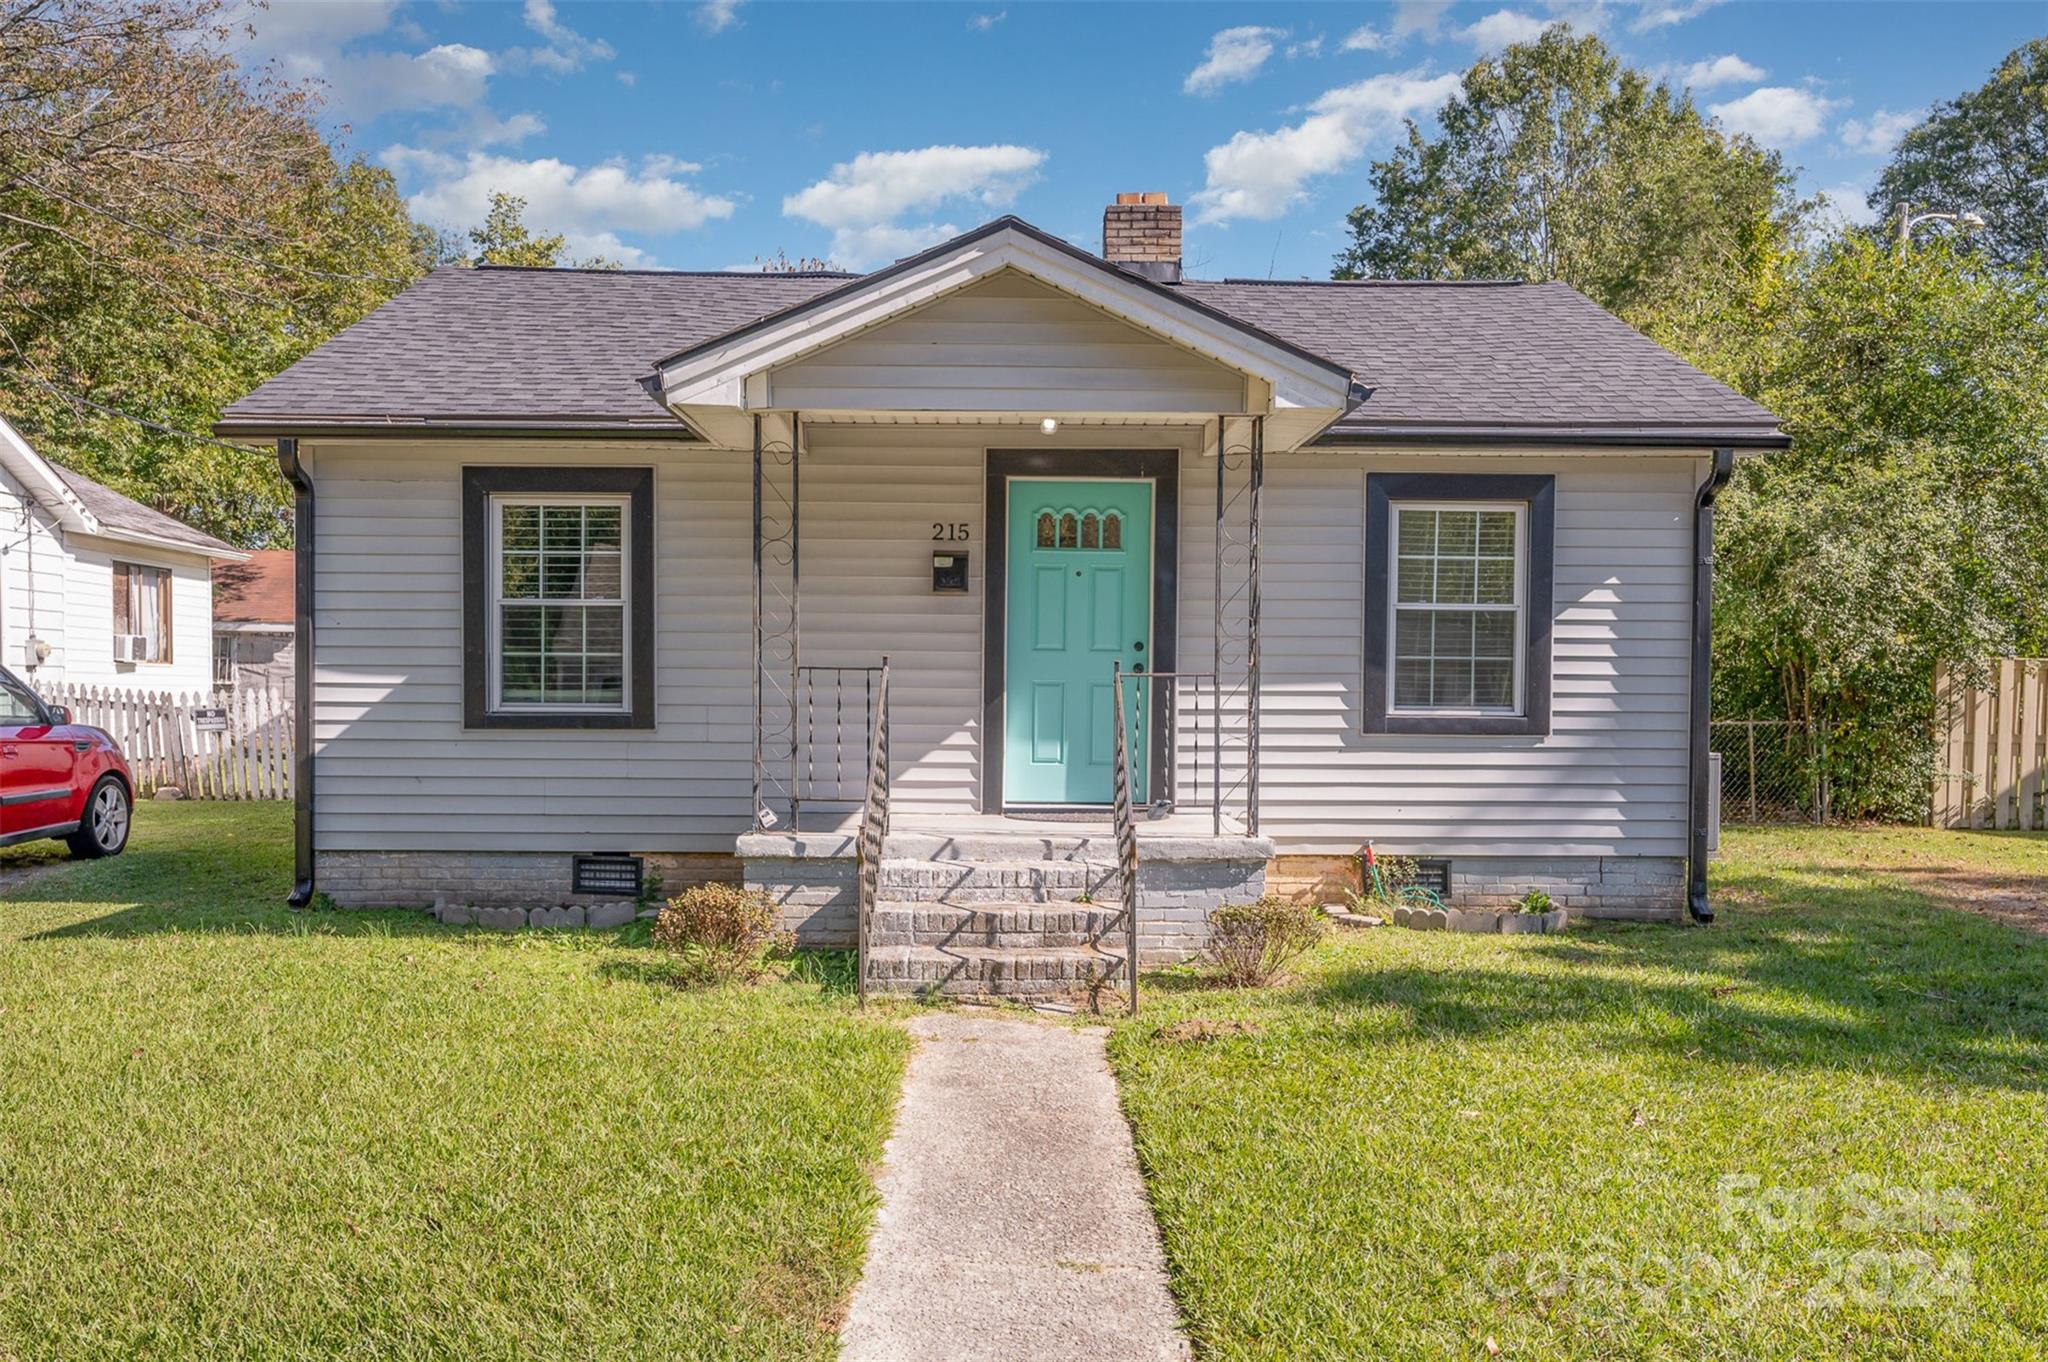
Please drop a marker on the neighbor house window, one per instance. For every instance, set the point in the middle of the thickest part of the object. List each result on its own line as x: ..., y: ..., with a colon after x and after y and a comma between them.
x: 559, y: 588
x: 142, y: 613
x: 1458, y: 603
x: 558, y: 579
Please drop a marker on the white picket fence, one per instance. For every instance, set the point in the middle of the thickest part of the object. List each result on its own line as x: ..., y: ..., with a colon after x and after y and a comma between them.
x: 252, y: 759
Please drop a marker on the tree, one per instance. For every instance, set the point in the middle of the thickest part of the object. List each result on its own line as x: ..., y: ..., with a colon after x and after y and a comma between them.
x: 1986, y: 152
x: 1904, y: 528
x: 503, y: 238
x: 171, y: 234
x: 1556, y: 162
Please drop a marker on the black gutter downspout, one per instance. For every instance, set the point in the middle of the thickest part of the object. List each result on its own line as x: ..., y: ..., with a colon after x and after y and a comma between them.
x: 302, y: 670
x: 1702, y: 677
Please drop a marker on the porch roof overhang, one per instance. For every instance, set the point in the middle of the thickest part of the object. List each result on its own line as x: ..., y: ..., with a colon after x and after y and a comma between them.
x: 718, y: 386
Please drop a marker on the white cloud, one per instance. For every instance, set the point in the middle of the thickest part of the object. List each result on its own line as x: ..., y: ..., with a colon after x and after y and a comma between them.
x: 982, y: 23
x: 1366, y: 38
x: 1307, y: 47
x: 1235, y: 54
x: 567, y: 50
x: 1878, y: 134
x: 361, y: 86
x: 1260, y: 175
x: 1663, y: 13
x: 488, y: 130
x: 1422, y: 19
x: 283, y: 26
x: 588, y: 205
x: 716, y: 16
x: 1724, y: 70
x: 1775, y: 115
x: 862, y: 199
x: 1848, y: 203
x: 625, y: 78
x: 1502, y: 27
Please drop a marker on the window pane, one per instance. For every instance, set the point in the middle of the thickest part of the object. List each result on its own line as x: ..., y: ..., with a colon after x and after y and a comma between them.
x: 1493, y: 685
x: 602, y: 527
x: 1457, y: 532
x: 1451, y: 684
x: 1045, y: 530
x: 561, y: 575
x: 1091, y: 532
x: 1412, y: 633
x: 1067, y: 531
x: 1113, y: 532
x: 601, y: 577
x: 561, y: 527
x: 1493, y: 633
x: 605, y: 678
x: 521, y: 678
x: 1418, y: 532
x: 1416, y: 582
x: 1496, y: 581
x: 1453, y: 633
x: 519, y: 629
x: 562, y: 629
x: 563, y: 679
x: 1497, y: 533
x: 522, y: 576
x: 1411, y: 683
x: 1454, y: 580
x: 605, y: 629
x: 522, y: 527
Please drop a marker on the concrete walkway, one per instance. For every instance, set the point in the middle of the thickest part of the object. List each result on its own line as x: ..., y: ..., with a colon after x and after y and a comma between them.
x: 1014, y: 1223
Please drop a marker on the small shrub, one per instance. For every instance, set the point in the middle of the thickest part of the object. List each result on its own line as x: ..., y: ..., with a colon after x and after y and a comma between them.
x: 1396, y: 873
x: 1535, y: 901
x: 1251, y: 943
x: 719, y: 931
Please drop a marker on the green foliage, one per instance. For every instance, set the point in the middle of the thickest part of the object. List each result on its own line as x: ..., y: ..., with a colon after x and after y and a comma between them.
x: 503, y: 238
x: 1985, y: 151
x: 1535, y: 901
x: 1557, y: 162
x: 1251, y: 943
x: 720, y: 932
x: 1905, y: 526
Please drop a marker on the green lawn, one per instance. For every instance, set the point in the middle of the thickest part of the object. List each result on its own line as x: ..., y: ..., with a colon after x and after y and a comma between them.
x: 1817, y: 1129
x: 229, y: 1131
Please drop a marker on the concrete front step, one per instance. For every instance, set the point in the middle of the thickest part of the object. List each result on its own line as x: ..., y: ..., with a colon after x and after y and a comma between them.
x: 989, y: 972
x: 995, y: 882
x: 1015, y: 926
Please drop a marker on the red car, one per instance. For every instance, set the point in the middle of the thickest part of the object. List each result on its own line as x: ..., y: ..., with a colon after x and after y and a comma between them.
x: 59, y: 779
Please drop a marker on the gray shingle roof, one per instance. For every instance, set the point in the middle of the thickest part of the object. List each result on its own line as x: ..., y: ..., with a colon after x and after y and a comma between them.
x: 569, y: 348
x: 129, y: 516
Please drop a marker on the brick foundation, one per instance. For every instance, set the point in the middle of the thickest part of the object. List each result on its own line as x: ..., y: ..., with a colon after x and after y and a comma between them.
x: 496, y: 879
x: 1638, y: 888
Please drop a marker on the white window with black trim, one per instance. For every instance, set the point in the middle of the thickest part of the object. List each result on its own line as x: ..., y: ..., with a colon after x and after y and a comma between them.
x: 1458, y: 603
x: 557, y: 574
x: 558, y: 603
x: 1457, y: 608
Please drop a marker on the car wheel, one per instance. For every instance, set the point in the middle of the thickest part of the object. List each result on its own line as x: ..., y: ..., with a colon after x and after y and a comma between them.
x: 103, y: 831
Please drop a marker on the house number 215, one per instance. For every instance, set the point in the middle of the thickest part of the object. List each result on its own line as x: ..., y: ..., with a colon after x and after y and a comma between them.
x: 949, y: 532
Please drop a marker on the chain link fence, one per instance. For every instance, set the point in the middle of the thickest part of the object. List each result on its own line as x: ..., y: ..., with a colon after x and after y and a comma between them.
x: 1773, y: 771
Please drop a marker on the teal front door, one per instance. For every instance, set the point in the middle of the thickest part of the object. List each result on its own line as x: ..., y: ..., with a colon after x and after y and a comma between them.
x: 1079, y: 600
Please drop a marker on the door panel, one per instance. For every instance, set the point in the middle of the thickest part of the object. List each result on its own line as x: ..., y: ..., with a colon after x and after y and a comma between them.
x: 36, y: 766
x: 1079, y: 601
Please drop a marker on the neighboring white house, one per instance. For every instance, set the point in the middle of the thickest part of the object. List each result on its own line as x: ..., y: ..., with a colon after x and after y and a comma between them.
x: 97, y: 589
x: 600, y: 561
x: 253, y: 621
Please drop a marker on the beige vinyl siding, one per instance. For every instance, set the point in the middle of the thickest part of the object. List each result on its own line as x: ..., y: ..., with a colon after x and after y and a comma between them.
x: 397, y: 771
x: 1008, y: 343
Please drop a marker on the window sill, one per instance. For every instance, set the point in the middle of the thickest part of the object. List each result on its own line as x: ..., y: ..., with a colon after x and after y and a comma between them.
x: 1456, y: 725
x: 559, y: 719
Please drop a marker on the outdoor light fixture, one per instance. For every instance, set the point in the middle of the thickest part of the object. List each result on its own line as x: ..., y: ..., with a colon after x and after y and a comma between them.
x: 1908, y: 220
x: 1049, y: 426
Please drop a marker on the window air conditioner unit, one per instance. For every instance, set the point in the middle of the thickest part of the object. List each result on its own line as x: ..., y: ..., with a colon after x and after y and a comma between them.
x: 131, y: 648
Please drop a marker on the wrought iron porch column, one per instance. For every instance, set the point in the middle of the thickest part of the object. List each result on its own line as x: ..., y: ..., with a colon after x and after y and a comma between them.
x: 1236, y: 598
x: 777, y: 648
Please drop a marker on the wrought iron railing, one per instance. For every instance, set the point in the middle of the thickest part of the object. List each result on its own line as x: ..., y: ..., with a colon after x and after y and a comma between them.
x: 874, y: 825
x: 1126, y: 838
x: 835, y: 728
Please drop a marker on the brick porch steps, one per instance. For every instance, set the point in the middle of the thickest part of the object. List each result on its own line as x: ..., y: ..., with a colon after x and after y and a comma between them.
x: 1018, y: 926
x: 989, y: 971
x: 995, y: 882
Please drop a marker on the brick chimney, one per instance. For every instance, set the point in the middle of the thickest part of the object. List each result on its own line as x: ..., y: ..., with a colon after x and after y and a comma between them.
x: 1141, y: 233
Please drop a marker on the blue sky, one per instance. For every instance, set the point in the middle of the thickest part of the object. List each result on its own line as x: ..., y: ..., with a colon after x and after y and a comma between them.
x: 706, y: 135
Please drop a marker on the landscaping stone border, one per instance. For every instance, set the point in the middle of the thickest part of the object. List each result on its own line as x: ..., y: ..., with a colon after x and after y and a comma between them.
x: 1479, y: 920
x: 595, y: 916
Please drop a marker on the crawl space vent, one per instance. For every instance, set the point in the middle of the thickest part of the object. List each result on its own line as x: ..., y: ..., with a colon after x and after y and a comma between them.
x: 1434, y: 876
x: 618, y: 876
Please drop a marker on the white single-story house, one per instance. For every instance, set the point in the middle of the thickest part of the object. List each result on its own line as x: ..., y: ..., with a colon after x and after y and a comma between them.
x: 96, y: 589
x: 255, y: 621
x: 597, y: 565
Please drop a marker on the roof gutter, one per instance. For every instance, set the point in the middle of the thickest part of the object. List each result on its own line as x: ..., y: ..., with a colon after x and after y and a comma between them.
x: 1702, y: 680
x: 302, y: 671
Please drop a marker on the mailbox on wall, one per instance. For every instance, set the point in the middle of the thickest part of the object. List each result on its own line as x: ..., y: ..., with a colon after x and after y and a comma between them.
x: 949, y: 571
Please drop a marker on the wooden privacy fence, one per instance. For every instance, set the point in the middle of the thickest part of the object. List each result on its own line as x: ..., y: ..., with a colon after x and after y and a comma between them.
x: 166, y: 744
x: 1992, y: 747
